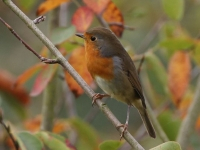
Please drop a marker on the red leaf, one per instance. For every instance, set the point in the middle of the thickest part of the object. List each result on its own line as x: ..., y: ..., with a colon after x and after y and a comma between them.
x: 82, y: 18
x: 43, y: 79
x: 97, y: 5
x: 6, y: 85
x: 113, y: 15
x: 72, y: 147
x: 77, y: 60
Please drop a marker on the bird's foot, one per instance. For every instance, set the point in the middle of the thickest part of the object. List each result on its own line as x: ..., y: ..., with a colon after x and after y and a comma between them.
x: 98, y: 96
x: 125, y: 127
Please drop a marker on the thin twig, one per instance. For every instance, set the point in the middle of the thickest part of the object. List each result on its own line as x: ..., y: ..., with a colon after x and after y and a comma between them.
x: 91, y: 114
x: 7, y: 128
x: 39, y: 19
x: 102, y: 21
x: 61, y: 60
x: 108, y: 24
x: 140, y: 65
x: 121, y: 25
x: 188, y: 124
x: 151, y: 35
x: 75, y: 43
x: 43, y: 59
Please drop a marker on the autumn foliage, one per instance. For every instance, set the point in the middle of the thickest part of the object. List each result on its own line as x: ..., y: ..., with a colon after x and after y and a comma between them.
x: 77, y: 60
x: 7, y: 82
x: 168, y: 75
x: 179, y: 75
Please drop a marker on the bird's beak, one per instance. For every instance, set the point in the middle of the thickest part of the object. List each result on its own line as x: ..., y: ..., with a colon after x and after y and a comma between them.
x: 80, y: 35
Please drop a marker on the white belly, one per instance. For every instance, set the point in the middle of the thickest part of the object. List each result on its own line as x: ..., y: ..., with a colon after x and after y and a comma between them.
x: 121, y: 91
x: 105, y: 85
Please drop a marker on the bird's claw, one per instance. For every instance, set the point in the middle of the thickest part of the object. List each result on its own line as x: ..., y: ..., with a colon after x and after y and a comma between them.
x: 125, y: 127
x: 98, y: 96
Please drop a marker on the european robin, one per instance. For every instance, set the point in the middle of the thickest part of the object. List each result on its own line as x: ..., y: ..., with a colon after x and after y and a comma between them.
x: 115, y: 73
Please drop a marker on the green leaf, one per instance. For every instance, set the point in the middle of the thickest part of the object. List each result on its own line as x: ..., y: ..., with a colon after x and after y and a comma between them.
x: 168, y: 146
x: 110, y: 145
x: 51, y: 142
x: 26, y: 5
x: 196, y: 53
x: 61, y: 34
x: 170, y: 124
x: 27, y: 141
x: 86, y: 133
x: 173, y: 30
x: 10, y: 104
x: 57, y: 136
x: 175, y: 44
x: 173, y: 8
x: 157, y: 76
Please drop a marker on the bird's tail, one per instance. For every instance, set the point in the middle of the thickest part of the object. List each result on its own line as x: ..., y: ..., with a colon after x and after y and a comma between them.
x: 147, y: 122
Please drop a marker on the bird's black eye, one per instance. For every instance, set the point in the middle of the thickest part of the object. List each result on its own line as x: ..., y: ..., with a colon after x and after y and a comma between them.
x: 93, y: 38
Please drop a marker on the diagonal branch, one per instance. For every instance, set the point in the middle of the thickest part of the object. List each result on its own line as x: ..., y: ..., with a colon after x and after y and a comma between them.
x: 121, y: 25
x: 61, y: 60
x: 45, y: 60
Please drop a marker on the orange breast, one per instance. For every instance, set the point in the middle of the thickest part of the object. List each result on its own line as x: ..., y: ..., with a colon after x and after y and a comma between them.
x: 98, y: 66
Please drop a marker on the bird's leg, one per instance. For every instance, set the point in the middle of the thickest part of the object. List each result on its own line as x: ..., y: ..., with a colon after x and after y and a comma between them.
x: 98, y: 96
x: 125, y: 126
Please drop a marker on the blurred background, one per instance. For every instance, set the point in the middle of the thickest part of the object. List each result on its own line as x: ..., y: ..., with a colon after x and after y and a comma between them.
x: 168, y: 37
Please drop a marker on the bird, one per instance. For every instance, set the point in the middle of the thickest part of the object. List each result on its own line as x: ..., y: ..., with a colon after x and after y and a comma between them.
x: 115, y: 73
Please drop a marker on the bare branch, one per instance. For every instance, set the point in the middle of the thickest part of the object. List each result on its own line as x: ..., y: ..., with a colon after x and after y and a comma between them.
x: 102, y: 21
x: 121, y: 25
x: 151, y: 35
x: 127, y: 136
x: 7, y: 128
x: 75, y: 43
x: 108, y: 24
x: 91, y: 114
x: 140, y: 65
x: 43, y: 59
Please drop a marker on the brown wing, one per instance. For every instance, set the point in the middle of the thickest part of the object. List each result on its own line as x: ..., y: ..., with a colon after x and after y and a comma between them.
x: 131, y: 72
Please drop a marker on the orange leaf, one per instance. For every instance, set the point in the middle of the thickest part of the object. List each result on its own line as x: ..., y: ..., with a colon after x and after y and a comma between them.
x: 198, y: 124
x: 82, y: 18
x: 6, y: 85
x: 60, y: 126
x: 113, y: 15
x: 49, y: 5
x: 179, y: 75
x: 33, y: 125
x: 77, y: 60
x: 43, y: 79
x: 97, y: 5
x: 28, y: 74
